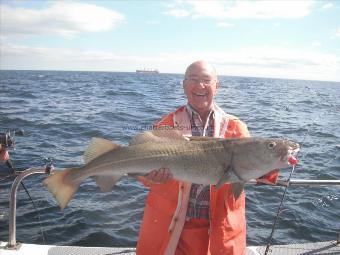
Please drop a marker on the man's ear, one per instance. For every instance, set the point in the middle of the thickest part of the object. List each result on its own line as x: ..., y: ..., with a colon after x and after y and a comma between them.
x: 183, y: 86
x: 217, y: 87
x: 217, y: 84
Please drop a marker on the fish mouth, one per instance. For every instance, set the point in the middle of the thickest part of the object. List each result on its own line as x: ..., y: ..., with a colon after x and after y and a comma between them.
x: 292, y: 154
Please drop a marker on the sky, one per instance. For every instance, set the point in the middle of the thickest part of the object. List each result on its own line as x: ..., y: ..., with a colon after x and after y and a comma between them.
x: 277, y: 39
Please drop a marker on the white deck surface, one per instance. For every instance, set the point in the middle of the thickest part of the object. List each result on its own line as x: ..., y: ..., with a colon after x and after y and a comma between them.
x: 293, y: 249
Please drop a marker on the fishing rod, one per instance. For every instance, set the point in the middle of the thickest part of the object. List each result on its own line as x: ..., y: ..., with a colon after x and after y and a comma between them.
x: 7, y: 142
x: 288, y: 181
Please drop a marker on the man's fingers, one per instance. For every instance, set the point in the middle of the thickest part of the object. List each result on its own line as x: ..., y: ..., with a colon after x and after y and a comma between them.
x: 159, y: 176
x: 166, y: 173
x: 152, y: 174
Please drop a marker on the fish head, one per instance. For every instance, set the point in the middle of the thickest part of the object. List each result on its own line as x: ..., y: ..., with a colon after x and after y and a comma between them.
x: 277, y: 153
x: 283, y: 153
x: 262, y: 155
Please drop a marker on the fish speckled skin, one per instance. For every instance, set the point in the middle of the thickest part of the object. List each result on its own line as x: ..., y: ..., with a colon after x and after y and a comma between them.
x: 201, y: 160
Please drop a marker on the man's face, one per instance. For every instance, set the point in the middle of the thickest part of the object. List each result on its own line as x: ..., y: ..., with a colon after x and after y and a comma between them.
x: 200, y: 85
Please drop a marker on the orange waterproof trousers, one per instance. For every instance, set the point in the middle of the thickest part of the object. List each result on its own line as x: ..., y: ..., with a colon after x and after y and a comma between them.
x: 194, y: 238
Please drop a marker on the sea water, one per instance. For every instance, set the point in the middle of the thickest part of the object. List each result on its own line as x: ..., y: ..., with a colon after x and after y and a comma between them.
x: 61, y: 111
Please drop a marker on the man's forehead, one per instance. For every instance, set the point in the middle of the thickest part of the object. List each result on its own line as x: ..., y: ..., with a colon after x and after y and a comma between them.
x: 199, y: 72
x: 202, y: 69
x: 197, y: 75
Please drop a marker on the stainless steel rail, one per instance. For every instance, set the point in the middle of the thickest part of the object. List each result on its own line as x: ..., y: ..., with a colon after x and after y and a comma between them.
x: 300, y: 182
x: 12, y: 243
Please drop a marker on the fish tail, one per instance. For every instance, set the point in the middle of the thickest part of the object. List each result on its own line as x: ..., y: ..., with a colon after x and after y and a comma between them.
x: 61, y: 185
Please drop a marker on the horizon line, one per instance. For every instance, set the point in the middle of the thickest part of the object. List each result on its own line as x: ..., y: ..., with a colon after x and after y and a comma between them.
x: 160, y: 73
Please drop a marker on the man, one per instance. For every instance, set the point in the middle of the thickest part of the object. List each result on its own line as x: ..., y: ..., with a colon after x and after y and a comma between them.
x: 183, y: 218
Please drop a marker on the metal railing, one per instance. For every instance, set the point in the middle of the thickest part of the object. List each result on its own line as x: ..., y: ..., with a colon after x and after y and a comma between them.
x: 301, y: 182
x: 12, y: 243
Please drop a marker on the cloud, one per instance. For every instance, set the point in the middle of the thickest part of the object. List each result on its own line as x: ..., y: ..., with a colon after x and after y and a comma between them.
x: 255, y: 61
x: 61, y: 18
x: 225, y: 24
x: 266, y: 9
x: 207, y: 9
x: 281, y: 63
x: 22, y: 57
x: 336, y: 34
x: 178, y: 13
x: 327, y: 6
x: 270, y: 9
x: 196, y: 9
x: 153, y: 22
x: 316, y: 44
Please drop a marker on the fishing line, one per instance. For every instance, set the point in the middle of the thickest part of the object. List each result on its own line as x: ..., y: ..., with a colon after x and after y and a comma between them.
x: 278, y: 214
x: 332, y: 159
x: 4, y: 177
x: 323, y: 97
x: 288, y: 181
x: 279, y: 210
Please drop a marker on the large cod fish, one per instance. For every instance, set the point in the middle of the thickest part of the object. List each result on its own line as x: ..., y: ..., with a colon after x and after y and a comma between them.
x: 202, y: 160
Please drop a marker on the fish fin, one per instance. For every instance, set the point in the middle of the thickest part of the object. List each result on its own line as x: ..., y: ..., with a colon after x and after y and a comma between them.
x: 225, y: 177
x: 97, y: 147
x: 204, y: 138
x: 237, y: 188
x: 229, y: 176
x: 61, y: 186
x: 106, y: 183
x: 157, y: 135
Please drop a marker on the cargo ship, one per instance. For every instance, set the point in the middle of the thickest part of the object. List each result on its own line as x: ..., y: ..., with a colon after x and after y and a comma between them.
x: 151, y: 71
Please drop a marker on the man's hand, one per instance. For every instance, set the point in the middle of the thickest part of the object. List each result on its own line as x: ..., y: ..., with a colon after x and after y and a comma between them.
x: 157, y: 176
x: 4, y: 156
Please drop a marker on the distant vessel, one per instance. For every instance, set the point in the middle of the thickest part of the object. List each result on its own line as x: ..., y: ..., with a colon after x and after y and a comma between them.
x: 155, y: 71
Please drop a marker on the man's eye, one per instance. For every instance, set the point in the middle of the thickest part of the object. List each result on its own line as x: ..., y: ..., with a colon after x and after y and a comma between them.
x: 193, y: 80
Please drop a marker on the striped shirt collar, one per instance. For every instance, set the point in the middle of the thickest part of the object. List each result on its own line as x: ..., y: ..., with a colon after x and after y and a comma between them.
x: 192, y: 111
x: 198, y: 127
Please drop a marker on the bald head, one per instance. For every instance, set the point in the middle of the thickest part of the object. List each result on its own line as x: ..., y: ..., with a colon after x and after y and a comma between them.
x: 201, y: 65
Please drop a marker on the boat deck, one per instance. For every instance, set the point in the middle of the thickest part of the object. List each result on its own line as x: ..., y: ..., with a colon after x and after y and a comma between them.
x: 329, y: 247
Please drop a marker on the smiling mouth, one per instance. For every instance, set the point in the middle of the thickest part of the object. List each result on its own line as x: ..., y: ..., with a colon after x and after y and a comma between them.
x: 200, y: 94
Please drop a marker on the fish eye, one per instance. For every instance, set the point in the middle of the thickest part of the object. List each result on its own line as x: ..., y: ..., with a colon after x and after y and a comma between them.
x: 271, y: 145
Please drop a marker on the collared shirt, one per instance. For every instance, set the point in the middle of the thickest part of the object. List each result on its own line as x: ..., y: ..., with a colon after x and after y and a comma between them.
x: 199, y: 200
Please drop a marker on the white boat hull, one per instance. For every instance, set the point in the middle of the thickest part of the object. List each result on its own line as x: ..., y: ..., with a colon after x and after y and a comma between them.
x: 329, y: 247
